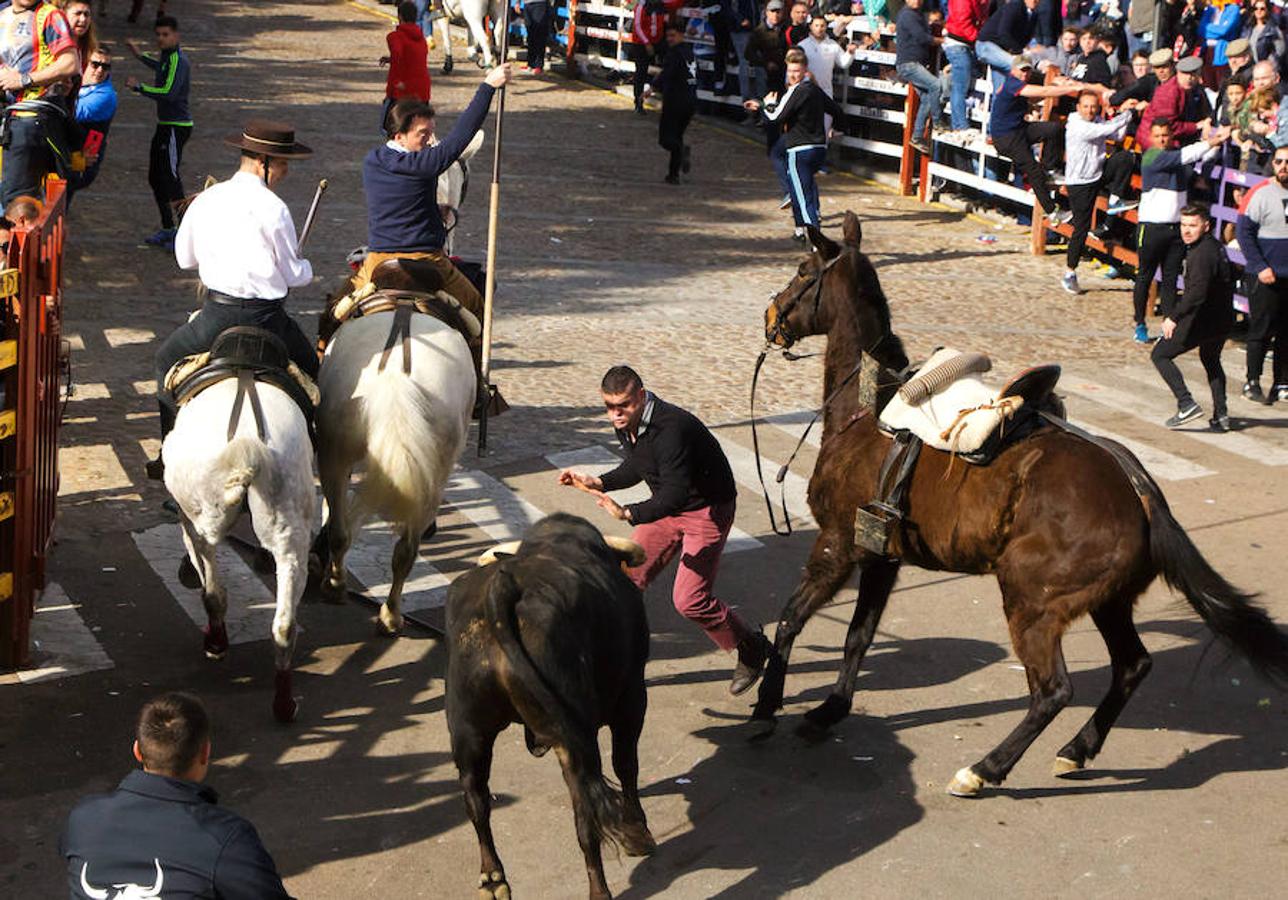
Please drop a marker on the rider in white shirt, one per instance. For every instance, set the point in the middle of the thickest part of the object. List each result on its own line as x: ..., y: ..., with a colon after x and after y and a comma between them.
x: 822, y: 56
x: 240, y: 237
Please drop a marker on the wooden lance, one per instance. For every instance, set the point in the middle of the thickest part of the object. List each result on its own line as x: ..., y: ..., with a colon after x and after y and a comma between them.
x: 493, y: 211
x: 313, y: 211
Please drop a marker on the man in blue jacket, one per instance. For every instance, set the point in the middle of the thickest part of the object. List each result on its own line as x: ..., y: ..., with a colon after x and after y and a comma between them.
x: 160, y: 833
x: 95, y: 108
x: 169, y: 91
x: 1005, y: 35
x: 400, y: 178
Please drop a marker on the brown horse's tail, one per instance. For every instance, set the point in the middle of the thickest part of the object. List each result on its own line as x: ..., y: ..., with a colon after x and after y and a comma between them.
x: 1228, y: 611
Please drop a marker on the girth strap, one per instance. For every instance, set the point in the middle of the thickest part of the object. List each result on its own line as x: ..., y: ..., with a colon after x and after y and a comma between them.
x: 400, y: 330
x: 246, y: 387
x: 875, y: 523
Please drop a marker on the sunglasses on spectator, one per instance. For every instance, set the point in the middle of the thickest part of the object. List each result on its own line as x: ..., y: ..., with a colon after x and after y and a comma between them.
x: 100, y: 65
x: 1279, y: 161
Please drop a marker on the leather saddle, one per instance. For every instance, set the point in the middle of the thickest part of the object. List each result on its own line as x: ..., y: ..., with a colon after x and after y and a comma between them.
x: 950, y: 408
x: 249, y: 355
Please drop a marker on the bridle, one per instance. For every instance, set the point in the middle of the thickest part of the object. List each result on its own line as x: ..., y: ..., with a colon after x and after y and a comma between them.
x: 815, y: 284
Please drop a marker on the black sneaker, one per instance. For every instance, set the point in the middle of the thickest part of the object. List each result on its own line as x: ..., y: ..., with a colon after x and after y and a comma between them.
x: 753, y: 653
x: 1220, y: 424
x: 685, y: 162
x: 1252, y: 390
x: 1193, y: 411
x: 672, y: 179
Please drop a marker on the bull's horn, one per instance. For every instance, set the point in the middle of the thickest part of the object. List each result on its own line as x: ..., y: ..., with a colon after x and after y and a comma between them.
x: 628, y: 550
x: 509, y: 548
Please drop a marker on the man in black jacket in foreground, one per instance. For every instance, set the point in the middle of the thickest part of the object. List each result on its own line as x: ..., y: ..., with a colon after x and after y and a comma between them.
x: 1202, y: 318
x: 160, y: 833
x: 690, y: 512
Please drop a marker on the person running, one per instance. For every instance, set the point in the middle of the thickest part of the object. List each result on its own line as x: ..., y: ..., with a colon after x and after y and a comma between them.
x: 690, y: 512
x: 240, y: 237
x: 799, y: 115
x: 678, y: 85
x: 173, y: 77
x: 161, y: 833
x: 1201, y: 319
x: 1262, y: 229
x: 408, y: 61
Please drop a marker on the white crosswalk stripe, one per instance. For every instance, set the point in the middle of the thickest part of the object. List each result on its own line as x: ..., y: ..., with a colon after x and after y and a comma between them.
x: 490, y: 505
x: 251, y: 604
x: 62, y: 645
x: 794, y: 423
x: 598, y: 460
x: 743, y: 463
x: 1239, y: 444
x: 1159, y: 463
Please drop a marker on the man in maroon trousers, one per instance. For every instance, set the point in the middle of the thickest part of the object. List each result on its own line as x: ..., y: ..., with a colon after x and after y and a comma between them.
x: 690, y: 511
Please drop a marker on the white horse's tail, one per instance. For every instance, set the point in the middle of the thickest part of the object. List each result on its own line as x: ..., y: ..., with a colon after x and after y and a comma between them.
x: 243, y: 459
x: 404, y: 470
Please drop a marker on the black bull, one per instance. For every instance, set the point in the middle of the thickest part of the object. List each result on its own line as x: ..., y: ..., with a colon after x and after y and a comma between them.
x: 553, y: 638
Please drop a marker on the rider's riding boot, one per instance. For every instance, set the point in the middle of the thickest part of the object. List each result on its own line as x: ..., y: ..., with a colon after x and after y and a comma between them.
x: 753, y: 652
x: 486, y: 397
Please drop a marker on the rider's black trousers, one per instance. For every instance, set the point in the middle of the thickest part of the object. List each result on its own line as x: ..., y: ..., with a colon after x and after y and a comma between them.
x: 197, y: 335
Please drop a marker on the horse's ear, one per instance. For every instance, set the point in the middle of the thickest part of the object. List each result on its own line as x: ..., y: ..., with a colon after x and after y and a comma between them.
x: 822, y: 244
x: 852, y: 229
x: 472, y: 147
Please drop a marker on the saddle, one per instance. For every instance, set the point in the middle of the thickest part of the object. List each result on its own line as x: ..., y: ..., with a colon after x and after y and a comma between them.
x: 369, y: 300
x: 946, y: 406
x: 950, y: 408
x: 249, y: 355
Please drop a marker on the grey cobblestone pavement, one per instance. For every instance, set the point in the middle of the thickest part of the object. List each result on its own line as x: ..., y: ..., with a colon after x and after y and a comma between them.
x: 601, y: 262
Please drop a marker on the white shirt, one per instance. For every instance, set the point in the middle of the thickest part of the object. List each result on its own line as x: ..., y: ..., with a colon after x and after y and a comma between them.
x: 240, y: 238
x: 822, y: 57
x: 1084, y: 146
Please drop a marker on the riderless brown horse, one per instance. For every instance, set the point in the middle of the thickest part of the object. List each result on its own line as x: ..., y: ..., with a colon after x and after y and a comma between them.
x: 1070, y: 525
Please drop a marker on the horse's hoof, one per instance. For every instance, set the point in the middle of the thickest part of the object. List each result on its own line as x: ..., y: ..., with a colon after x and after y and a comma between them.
x: 762, y: 729
x: 334, y: 591
x: 285, y: 710
x: 188, y: 576
x: 636, y: 840
x: 388, y: 628
x: 215, y: 641
x: 1064, y: 766
x: 493, y: 886
x: 821, y: 719
x: 965, y: 783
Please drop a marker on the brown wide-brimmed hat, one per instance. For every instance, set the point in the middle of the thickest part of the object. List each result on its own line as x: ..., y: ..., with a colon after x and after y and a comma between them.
x: 269, y: 138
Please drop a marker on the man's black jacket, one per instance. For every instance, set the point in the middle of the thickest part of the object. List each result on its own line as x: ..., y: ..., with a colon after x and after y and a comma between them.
x: 165, y: 834
x: 680, y: 461
x: 1204, y: 312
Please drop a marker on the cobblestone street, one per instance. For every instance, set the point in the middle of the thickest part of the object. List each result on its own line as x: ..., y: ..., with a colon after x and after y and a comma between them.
x: 600, y: 262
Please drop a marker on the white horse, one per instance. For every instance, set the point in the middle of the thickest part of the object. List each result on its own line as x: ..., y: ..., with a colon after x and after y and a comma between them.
x: 452, y: 186
x: 210, y: 476
x: 472, y: 14
x: 406, y: 429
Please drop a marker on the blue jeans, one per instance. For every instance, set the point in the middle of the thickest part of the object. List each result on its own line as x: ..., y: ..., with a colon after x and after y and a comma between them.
x: 962, y: 60
x: 802, y: 164
x: 740, y: 40
x: 997, y: 60
x: 927, y: 86
x: 422, y: 18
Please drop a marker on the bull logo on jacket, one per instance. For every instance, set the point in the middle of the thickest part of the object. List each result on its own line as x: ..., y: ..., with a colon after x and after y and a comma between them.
x: 121, y: 891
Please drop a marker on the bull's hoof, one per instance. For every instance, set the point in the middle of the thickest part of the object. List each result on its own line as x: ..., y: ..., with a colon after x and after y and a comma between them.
x: 188, y: 576
x: 334, y: 591
x: 636, y: 840
x: 493, y: 886
x: 215, y: 641
x: 1064, y: 767
x: 762, y: 728
x: 965, y: 783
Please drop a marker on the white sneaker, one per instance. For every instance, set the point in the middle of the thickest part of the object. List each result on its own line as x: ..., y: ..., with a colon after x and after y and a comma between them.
x: 1069, y: 281
x: 786, y: 204
x: 1061, y: 217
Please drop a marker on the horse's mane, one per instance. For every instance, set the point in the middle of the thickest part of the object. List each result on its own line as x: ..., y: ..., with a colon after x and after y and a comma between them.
x: 869, y: 310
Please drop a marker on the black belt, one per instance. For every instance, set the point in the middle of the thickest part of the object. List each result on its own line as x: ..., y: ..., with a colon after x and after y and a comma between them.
x: 230, y: 300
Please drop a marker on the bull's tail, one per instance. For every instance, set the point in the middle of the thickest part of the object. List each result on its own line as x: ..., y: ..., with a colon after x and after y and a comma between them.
x: 563, y: 727
x: 1228, y: 611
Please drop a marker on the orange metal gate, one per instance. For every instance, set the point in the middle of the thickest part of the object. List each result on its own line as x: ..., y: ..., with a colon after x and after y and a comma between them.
x: 32, y: 356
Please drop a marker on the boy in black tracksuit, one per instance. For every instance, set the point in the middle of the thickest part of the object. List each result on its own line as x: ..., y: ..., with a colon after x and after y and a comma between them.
x: 678, y: 85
